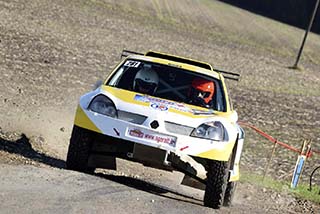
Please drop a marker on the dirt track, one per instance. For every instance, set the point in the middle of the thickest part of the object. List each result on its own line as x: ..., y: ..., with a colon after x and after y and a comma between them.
x: 52, y: 52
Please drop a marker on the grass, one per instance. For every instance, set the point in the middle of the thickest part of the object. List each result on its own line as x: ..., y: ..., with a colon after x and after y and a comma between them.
x: 301, y: 192
x: 286, y: 86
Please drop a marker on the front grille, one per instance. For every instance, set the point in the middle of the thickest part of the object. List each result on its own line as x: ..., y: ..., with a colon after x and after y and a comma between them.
x: 131, y: 117
x: 178, y: 129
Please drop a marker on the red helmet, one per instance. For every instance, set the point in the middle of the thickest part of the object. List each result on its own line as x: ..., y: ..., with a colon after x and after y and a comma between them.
x: 202, y: 88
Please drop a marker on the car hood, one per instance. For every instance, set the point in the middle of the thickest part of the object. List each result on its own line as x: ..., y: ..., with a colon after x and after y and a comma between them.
x: 159, y: 108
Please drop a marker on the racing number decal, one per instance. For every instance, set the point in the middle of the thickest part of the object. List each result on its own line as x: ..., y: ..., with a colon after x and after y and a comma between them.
x: 131, y: 63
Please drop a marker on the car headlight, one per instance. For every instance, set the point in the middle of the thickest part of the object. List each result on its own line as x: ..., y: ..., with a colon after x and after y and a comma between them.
x: 211, y: 130
x: 103, y: 105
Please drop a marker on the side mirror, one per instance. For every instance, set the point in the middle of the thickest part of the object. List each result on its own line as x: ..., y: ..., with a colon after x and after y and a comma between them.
x: 97, y: 84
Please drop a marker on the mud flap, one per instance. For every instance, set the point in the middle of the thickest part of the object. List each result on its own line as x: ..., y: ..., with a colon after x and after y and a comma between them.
x: 195, y: 173
x: 191, y: 182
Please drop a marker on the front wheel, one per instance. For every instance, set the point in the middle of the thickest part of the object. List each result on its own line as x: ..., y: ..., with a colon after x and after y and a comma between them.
x: 217, y: 179
x: 79, y: 150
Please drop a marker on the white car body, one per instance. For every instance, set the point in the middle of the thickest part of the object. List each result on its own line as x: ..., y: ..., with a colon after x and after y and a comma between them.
x: 153, y: 123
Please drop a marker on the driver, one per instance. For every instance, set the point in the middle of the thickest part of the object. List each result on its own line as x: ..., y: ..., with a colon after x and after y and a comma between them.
x: 146, y: 81
x: 201, y: 92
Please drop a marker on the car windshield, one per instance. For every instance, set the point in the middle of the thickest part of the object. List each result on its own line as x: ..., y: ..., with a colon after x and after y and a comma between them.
x: 170, y: 82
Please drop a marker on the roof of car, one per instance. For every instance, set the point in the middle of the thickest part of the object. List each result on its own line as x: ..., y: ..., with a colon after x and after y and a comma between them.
x: 187, y: 63
x: 177, y: 61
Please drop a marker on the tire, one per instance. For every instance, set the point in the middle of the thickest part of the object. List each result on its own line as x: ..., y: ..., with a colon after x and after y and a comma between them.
x: 217, y: 178
x: 79, y: 150
x: 229, y: 194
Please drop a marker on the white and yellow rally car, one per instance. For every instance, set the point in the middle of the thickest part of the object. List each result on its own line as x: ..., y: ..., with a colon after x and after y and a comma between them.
x: 166, y: 112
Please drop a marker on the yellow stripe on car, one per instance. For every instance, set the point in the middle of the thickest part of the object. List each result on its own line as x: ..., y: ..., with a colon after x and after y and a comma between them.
x: 82, y: 120
x: 218, y: 154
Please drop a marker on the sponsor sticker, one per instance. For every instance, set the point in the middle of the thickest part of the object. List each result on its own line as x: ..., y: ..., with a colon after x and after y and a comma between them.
x: 161, y: 104
x: 152, y: 136
x: 159, y: 107
x: 205, y: 112
x: 136, y: 133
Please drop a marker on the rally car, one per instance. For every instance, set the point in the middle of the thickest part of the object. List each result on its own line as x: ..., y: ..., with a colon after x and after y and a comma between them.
x: 166, y: 112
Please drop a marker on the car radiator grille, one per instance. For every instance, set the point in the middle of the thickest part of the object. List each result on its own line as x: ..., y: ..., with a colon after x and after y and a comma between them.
x: 178, y: 129
x: 131, y: 117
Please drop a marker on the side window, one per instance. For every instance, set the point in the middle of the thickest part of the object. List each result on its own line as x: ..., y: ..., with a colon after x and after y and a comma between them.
x: 126, y: 80
x: 219, y: 102
x: 124, y: 76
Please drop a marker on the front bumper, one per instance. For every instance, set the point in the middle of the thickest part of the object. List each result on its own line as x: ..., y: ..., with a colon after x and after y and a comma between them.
x: 158, y: 138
